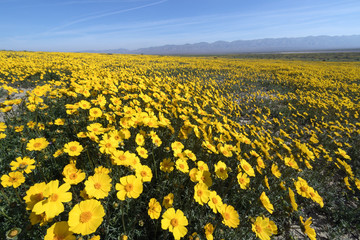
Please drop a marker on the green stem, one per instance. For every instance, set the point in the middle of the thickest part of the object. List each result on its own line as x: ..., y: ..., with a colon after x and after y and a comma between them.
x: 4, y: 214
x: 122, y: 216
x: 156, y: 175
x: 18, y: 196
x: 4, y: 194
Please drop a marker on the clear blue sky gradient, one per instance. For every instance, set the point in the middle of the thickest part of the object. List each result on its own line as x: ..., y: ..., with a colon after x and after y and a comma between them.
x: 76, y: 25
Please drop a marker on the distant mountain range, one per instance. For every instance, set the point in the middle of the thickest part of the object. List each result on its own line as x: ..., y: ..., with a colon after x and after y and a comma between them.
x: 311, y: 43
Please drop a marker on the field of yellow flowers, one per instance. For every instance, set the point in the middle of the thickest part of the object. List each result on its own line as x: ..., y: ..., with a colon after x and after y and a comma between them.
x: 100, y: 146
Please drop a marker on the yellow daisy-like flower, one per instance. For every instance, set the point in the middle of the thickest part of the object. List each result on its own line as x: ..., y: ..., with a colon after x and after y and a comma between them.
x: 215, y: 202
x: 230, y: 216
x: 243, y: 180
x: 14, y: 179
x: 221, y: 170
x: 167, y: 165
x: 275, y: 171
x: 247, y: 168
x: 59, y: 230
x: 292, y: 200
x: 129, y: 186
x: 73, y: 148
x: 37, y: 144
x: 55, y: 196
x: 204, y: 177
x: 74, y: 177
x: 144, y: 173
x: 59, y: 121
x: 142, y: 152
x: 168, y: 200
x: 266, y: 203
x: 95, y: 113
x: 309, y: 231
x: 98, y: 185
x: 140, y: 140
x: 84, y: 104
x: 182, y: 165
x: 201, y: 193
x: 154, y: 209
x: 209, y: 229
x: 86, y: 217
x: 175, y: 221
x: 25, y: 164
x: 34, y: 195
x: 264, y: 228
x: 108, y: 145
x: 302, y: 187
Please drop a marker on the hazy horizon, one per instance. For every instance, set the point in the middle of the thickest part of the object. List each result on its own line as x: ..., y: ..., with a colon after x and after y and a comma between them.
x: 78, y: 25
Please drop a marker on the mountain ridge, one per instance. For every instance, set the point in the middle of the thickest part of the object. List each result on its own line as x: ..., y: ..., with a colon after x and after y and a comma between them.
x: 285, y: 44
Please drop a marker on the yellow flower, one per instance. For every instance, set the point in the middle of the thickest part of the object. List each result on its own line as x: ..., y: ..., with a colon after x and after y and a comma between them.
x: 55, y: 196
x: 139, y: 139
x: 37, y: 144
x: 142, y: 152
x: 209, y: 229
x: 108, y: 145
x: 204, y: 177
x: 14, y: 179
x: 266, y: 203
x: 59, y: 230
x: 73, y: 148
x: 129, y: 186
x: 309, y: 231
x: 175, y: 222
x: 290, y: 161
x: 182, y: 165
x: 230, y: 216
x: 292, y: 200
x: 86, y: 217
x: 154, y: 209
x: 98, y: 185
x: 247, y: 168
x: 23, y: 164
x: 59, y: 121
x: 144, y: 173
x: 167, y: 165
x: 74, y: 177
x: 2, y: 126
x: 84, y: 104
x: 215, y: 202
x: 168, y: 200
x: 302, y: 187
x: 95, y: 128
x: 201, y: 193
x: 275, y: 171
x: 177, y: 146
x: 95, y: 113
x: 34, y: 195
x: 121, y: 158
x: 221, y: 170
x: 243, y: 180
x: 264, y: 228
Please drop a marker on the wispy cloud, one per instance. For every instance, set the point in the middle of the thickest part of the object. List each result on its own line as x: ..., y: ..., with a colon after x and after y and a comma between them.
x: 106, y: 14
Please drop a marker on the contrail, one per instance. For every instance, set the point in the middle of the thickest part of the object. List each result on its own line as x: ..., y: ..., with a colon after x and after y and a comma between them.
x: 106, y: 14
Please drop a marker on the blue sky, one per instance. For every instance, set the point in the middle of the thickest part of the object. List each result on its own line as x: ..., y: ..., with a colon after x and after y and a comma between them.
x: 75, y: 25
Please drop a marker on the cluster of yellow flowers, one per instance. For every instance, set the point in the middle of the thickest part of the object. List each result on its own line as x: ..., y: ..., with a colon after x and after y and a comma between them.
x: 107, y: 130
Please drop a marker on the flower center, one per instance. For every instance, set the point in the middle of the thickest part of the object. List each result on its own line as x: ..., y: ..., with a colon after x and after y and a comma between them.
x: 129, y: 187
x: 199, y: 192
x: 85, y: 217
x: 97, y: 185
x: 303, y: 188
x: 22, y: 165
x: 12, y: 179
x: 214, y: 200
x: 258, y: 229
x: 56, y: 237
x: 143, y: 174
x: 174, y: 222
x: 54, y: 197
x: 37, y: 145
x: 73, y: 148
x: 226, y: 216
x: 246, y: 168
x: 108, y: 145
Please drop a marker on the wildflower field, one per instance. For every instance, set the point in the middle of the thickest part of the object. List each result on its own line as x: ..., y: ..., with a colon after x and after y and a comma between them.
x: 100, y: 146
